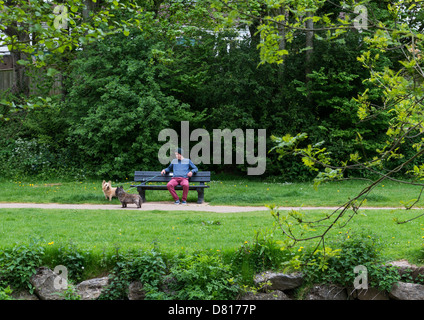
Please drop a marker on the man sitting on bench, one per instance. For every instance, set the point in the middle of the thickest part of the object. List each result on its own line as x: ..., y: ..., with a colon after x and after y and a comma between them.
x: 182, y: 170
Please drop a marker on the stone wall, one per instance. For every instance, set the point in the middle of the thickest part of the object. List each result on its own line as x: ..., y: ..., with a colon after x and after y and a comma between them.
x: 268, y: 286
x: 281, y: 286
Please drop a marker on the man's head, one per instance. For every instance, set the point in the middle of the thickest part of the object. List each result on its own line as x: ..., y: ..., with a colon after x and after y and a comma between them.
x: 179, y: 153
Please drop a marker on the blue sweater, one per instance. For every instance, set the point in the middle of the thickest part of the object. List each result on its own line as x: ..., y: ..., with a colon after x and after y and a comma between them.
x: 180, y: 168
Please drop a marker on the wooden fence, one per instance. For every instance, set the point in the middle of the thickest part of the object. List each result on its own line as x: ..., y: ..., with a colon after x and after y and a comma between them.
x: 6, y: 79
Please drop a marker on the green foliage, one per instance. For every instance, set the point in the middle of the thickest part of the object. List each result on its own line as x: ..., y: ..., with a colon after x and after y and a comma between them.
x: 147, y: 267
x: 5, y: 293
x: 145, y: 69
x: 118, y: 279
x: 29, y: 154
x: 116, y: 108
x: 51, y: 23
x: 19, y: 263
x: 122, y: 89
x: 205, y: 276
x: 219, y: 75
x: 33, y: 144
x: 70, y: 293
x: 202, y: 277
x: 75, y: 260
x: 37, y: 158
x: 191, y: 277
x: 261, y: 254
x: 337, y: 266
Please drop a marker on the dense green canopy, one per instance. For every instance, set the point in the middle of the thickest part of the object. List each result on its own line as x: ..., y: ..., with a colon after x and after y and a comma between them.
x: 123, y: 71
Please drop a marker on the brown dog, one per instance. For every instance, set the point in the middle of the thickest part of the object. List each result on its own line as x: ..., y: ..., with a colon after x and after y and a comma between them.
x: 108, y: 190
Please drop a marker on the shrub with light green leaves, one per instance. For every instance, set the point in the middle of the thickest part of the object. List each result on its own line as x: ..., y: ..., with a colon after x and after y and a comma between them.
x: 350, y: 250
x: 202, y: 277
x: 19, y: 263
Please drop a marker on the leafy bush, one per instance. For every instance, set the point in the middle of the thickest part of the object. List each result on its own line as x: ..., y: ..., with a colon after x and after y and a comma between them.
x: 5, y: 293
x: 147, y: 267
x: 121, y: 91
x: 33, y: 157
x: 19, y: 263
x: 202, y: 277
x: 263, y: 253
x: 71, y: 293
x: 74, y: 259
x: 193, y: 277
x: 116, y: 107
x: 337, y: 266
x: 198, y: 276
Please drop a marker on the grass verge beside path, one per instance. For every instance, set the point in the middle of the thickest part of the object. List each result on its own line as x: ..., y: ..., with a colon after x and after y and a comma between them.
x: 182, y: 231
x: 225, y: 192
x: 179, y: 231
x: 174, y: 231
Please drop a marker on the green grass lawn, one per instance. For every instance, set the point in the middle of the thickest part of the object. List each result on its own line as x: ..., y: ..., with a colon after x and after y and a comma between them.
x: 182, y: 231
x: 225, y: 192
x: 173, y: 231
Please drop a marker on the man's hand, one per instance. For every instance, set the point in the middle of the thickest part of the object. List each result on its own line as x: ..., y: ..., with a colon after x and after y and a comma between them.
x: 163, y: 172
x: 189, y: 174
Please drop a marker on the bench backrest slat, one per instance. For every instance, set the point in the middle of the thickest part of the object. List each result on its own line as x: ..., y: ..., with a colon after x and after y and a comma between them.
x: 140, y: 176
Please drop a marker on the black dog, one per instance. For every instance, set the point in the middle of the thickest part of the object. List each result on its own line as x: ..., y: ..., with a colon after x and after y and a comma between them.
x: 127, y: 197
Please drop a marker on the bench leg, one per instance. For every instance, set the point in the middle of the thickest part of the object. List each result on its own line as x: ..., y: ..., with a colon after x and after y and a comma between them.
x: 142, y: 194
x: 200, y: 195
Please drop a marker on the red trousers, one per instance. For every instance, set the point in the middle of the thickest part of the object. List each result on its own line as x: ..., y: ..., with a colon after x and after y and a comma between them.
x: 175, y: 182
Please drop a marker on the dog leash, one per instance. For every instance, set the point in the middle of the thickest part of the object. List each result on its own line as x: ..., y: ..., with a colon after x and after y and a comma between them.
x: 144, y: 182
x: 151, y: 178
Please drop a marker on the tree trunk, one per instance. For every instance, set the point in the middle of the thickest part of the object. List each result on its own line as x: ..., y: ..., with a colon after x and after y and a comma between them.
x: 309, y: 43
x: 21, y: 79
x: 281, y: 28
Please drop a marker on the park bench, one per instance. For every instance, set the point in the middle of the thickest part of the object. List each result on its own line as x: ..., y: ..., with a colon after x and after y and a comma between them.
x: 146, y: 177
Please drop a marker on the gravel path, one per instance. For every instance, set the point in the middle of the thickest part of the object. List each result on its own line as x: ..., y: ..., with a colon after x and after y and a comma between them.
x: 164, y: 206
